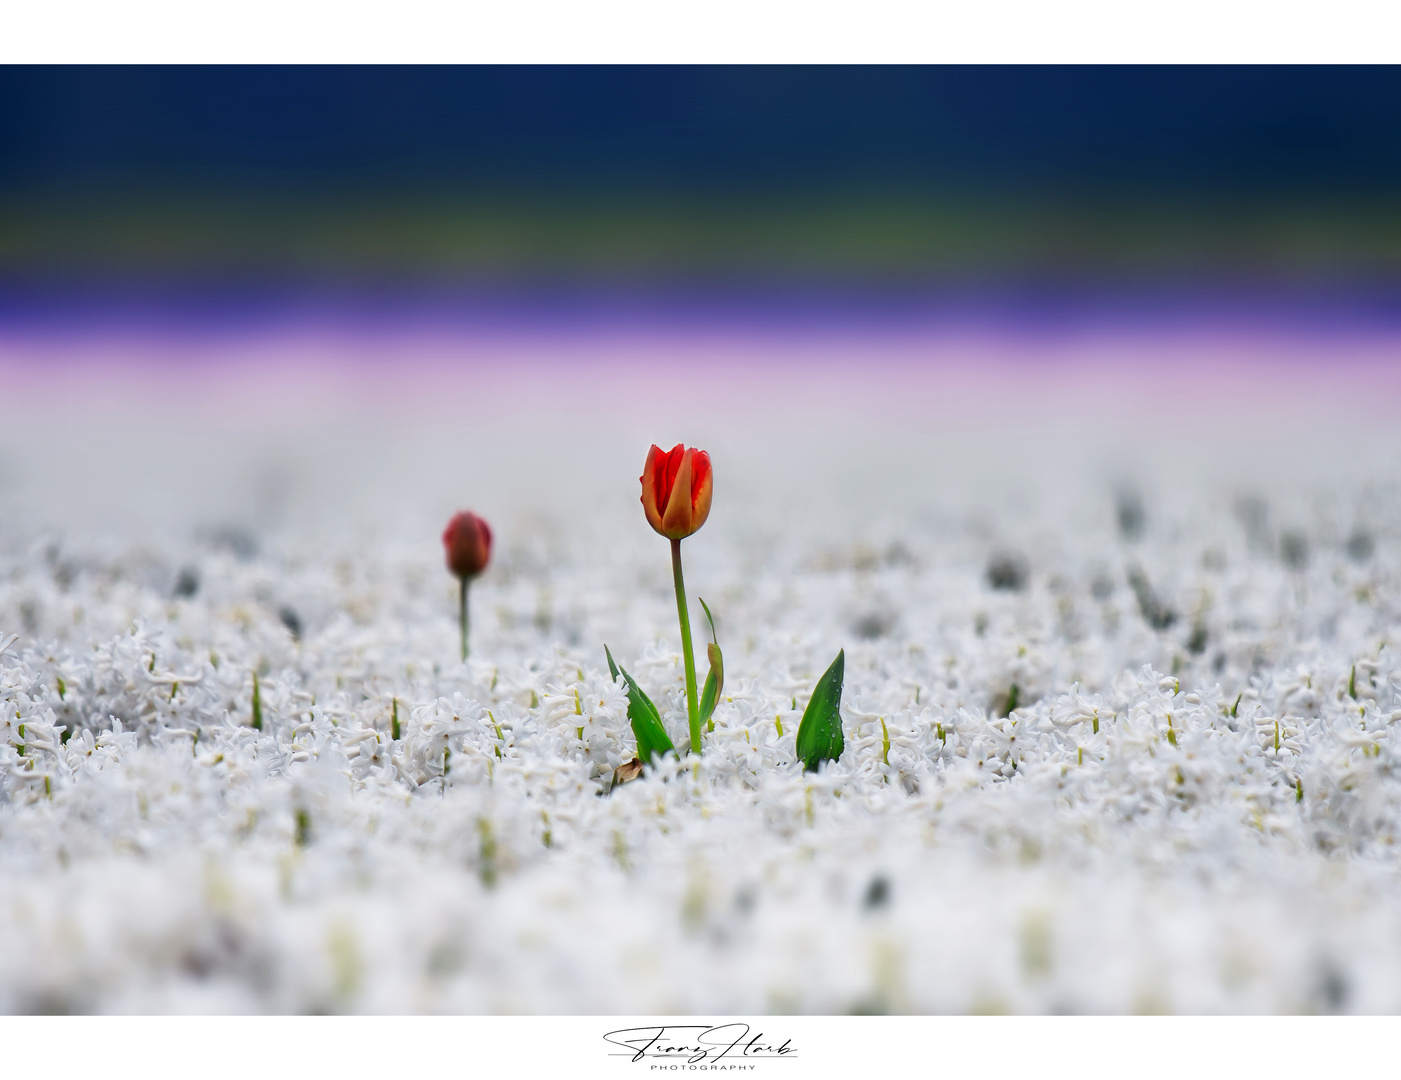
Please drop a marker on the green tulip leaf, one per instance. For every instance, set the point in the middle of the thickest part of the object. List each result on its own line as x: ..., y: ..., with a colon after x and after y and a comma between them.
x: 706, y: 608
x: 714, y: 685
x: 715, y: 681
x: 820, y: 730
x: 652, y: 739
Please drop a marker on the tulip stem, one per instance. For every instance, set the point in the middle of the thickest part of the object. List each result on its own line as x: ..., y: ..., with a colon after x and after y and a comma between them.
x: 462, y: 608
x: 692, y: 711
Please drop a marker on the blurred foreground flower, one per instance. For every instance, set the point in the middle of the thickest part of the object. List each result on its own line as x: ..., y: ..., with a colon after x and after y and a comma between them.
x: 467, y: 542
x: 676, y: 489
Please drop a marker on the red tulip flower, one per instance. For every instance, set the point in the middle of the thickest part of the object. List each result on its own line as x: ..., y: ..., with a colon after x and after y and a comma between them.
x: 467, y: 543
x: 676, y: 488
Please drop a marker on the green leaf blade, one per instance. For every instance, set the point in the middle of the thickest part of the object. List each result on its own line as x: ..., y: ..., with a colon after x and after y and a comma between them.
x: 820, y: 730
x: 647, y: 726
x: 714, y: 684
x: 709, y: 618
x: 715, y: 681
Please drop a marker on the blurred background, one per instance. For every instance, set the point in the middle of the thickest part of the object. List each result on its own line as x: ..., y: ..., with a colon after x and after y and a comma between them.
x: 1014, y: 379
x: 243, y: 272
x: 1036, y: 198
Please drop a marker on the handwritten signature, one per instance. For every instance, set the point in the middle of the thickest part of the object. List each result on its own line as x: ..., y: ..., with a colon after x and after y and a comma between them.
x: 697, y: 1043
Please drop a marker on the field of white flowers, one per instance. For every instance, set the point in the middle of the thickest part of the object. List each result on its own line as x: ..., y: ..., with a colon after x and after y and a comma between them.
x: 1119, y: 725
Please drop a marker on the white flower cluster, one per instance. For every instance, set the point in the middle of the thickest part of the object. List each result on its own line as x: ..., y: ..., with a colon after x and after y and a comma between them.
x: 1096, y: 776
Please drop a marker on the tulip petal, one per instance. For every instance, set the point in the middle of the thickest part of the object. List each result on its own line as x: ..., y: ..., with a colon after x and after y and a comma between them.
x: 676, y: 519
x: 674, y: 458
x: 653, y: 476
x: 701, y: 483
x: 700, y: 473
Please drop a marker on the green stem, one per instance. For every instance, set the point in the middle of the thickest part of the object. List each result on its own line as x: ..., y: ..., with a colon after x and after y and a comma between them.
x: 462, y: 605
x: 692, y: 710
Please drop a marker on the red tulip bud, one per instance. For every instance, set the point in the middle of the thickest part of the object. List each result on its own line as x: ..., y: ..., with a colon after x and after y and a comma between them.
x: 676, y: 490
x: 467, y: 541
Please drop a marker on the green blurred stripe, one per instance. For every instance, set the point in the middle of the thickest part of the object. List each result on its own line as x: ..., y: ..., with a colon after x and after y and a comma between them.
x: 875, y: 233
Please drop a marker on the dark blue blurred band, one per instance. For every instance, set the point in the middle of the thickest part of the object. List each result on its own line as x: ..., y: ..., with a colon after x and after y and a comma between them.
x: 1198, y: 129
